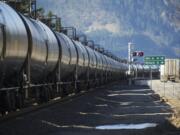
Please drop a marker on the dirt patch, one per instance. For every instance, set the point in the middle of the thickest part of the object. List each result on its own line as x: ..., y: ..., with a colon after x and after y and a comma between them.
x: 175, y: 121
x: 175, y: 104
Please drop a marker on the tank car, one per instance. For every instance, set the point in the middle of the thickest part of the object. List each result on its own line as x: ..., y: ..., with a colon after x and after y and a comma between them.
x: 170, y: 71
x: 38, y: 64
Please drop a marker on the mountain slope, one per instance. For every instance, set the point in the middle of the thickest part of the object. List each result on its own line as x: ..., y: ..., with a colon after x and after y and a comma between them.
x: 153, y: 25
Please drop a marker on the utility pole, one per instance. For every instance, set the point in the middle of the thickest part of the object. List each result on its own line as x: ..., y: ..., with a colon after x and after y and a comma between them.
x: 130, y: 61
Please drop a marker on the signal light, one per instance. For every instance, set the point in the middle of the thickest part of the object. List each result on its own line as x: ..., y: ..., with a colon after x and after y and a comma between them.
x: 134, y: 53
x: 140, y: 54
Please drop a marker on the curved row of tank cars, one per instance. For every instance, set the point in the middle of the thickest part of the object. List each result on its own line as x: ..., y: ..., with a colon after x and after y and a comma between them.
x: 38, y: 64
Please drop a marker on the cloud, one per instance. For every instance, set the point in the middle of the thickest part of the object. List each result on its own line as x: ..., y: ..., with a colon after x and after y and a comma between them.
x: 110, y: 27
x: 169, y: 17
x: 159, y: 39
x: 163, y: 15
x: 165, y: 2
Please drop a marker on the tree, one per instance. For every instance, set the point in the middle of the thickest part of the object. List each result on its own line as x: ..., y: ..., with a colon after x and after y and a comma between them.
x: 40, y: 12
x: 23, y: 6
x: 50, y: 14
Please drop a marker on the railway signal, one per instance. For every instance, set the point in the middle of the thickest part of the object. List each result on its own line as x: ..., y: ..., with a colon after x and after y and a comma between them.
x: 138, y: 53
x: 134, y: 54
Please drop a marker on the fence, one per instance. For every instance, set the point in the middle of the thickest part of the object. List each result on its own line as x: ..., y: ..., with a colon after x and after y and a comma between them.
x: 170, y: 90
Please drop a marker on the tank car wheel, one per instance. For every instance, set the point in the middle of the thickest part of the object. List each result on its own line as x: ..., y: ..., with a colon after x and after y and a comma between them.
x: 59, y: 90
x: 63, y: 91
x: 19, y: 100
x: 87, y: 85
x: 3, y: 107
x: 44, y: 94
x: 53, y: 91
x: 78, y: 87
x: 13, y: 100
x: 6, y: 103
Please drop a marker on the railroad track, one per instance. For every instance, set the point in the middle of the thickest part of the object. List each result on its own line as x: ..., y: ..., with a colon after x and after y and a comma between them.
x: 36, y: 107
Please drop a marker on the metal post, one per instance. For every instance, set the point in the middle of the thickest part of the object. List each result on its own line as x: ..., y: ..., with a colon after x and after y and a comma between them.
x: 129, y: 60
x: 173, y: 89
x: 129, y: 56
x: 164, y: 80
x: 151, y: 76
x: 63, y: 29
x: 58, y: 78
x: 75, y: 80
x: 30, y: 7
x: 33, y: 2
x: 27, y: 77
x: 87, y: 78
x: 136, y: 73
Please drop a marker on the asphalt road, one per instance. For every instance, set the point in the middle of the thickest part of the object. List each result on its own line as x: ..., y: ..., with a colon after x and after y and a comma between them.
x: 110, y: 105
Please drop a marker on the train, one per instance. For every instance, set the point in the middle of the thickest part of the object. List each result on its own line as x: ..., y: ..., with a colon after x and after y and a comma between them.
x: 38, y: 64
x: 170, y: 71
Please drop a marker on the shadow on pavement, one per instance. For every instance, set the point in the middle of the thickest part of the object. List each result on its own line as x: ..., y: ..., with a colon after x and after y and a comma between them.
x: 112, y: 105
